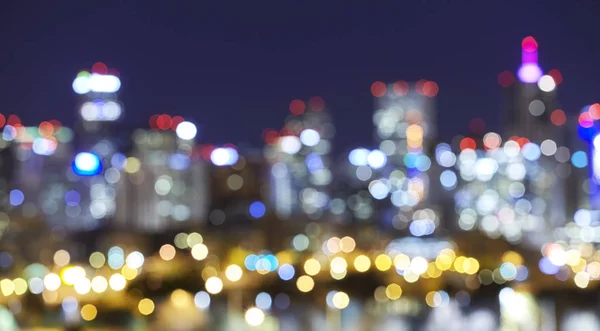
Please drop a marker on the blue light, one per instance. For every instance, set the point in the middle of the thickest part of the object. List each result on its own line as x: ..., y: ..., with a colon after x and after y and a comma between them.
x: 16, y: 197
x: 286, y: 272
x: 257, y: 209
x: 410, y: 160
x: 548, y: 267
x: 263, y: 301
x: 87, y: 164
x: 72, y: 198
x: 423, y: 163
x: 448, y: 179
x: 531, y: 151
x: 508, y: 270
x: 273, y: 262
x: 250, y: 262
x: 579, y: 159
x: 179, y: 161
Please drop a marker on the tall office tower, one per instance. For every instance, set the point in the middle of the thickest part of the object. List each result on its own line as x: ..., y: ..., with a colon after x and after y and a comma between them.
x: 405, y: 127
x: 300, y: 161
x: 162, y: 185
x: 97, y: 144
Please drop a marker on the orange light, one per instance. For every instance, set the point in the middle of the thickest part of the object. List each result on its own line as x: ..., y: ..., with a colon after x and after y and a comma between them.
x: 595, y: 111
x: 522, y: 141
x: 46, y: 129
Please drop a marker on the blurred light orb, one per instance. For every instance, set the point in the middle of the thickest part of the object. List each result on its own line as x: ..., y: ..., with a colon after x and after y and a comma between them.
x: 359, y: 157
x: 224, y: 156
x: 546, y: 83
x: 117, y: 282
x: 257, y: 209
x: 186, y: 130
x: 202, y: 300
x: 290, y: 144
x: 340, y: 300
x: 135, y: 260
x: 52, y: 282
x: 376, y: 159
x: 96, y: 83
x: 214, y: 285
x: 286, y: 272
x: 530, y: 73
x: 87, y: 164
x: 234, y: 273
x: 263, y: 301
x: 310, y: 137
x: 254, y: 316
x: 16, y: 197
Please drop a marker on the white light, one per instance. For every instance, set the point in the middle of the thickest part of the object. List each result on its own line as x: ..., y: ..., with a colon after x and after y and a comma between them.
x: 111, y: 111
x: 290, y: 144
x: 96, y: 83
x: 376, y: 159
x: 310, y: 137
x: 52, y: 282
x: 99, y: 111
x: 359, y: 156
x: 224, y: 156
x: 186, y: 130
x: 418, y: 265
x: 546, y: 83
x: 255, y: 316
x: 597, y: 141
x: 117, y: 282
x: 135, y: 260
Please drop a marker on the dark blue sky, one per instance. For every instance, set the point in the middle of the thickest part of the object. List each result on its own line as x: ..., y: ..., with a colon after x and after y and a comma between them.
x: 234, y: 67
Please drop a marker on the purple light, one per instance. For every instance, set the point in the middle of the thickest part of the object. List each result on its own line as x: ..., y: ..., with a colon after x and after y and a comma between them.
x: 529, y: 57
x: 530, y: 73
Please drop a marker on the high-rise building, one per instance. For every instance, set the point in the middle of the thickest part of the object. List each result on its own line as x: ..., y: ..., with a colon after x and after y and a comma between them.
x: 162, y: 185
x: 300, y: 161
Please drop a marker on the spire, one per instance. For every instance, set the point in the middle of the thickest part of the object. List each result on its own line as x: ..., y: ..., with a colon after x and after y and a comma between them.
x: 530, y: 71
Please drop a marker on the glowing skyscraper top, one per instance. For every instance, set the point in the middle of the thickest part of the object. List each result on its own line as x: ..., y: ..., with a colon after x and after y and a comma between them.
x: 529, y: 72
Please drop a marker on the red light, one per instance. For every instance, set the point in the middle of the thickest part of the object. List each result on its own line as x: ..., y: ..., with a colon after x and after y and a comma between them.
x: 270, y: 136
x: 297, y: 107
x: 316, y: 103
x: 13, y: 120
x: 529, y: 44
x: 2, y: 120
x: 467, y: 143
x: 558, y: 117
x: 477, y: 125
x: 522, y: 141
x: 556, y: 75
x: 163, y: 122
x: 419, y: 86
x: 286, y: 132
x: 586, y: 120
x: 506, y: 79
x: 400, y: 88
x: 114, y: 72
x: 175, y: 122
x: 378, y: 89
x: 99, y: 68
x: 57, y: 125
x: 513, y: 138
x: 206, y: 150
x: 153, y: 122
x: 430, y: 89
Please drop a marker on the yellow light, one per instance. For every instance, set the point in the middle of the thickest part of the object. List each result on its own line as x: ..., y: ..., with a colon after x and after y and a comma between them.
x: 99, y: 284
x: 362, y: 263
x: 129, y: 273
x: 347, y: 244
x: 582, y: 279
x: 418, y: 265
x: 383, y: 262
x: 459, y: 263
x: 117, y: 282
x: 181, y: 298
x: 199, y: 252
x: 430, y: 299
x: 97, y: 260
x: 234, y: 273
x: 512, y: 257
x: 305, y: 283
x: 71, y: 275
x: 83, y: 286
x: 312, y: 267
x: 20, y: 286
x: 194, y: 239
x: 209, y: 272
x: 254, y: 316
x: 62, y: 258
x: 380, y: 294
x: 146, y: 307
x: 594, y: 269
x: 52, y: 282
x: 89, y: 312
x: 401, y: 261
x: 340, y: 300
x: 443, y: 262
x: 132, y: 165
x: 167, y: 252
x: 50, y: 296
x: 214, y: 285
x: 338, y: 265
x: 338, y: 275
x: 410, y: 276
x: 449, y: 253
x: 393, y: 291
x: 580, y: 266
x: 471, y: 266
x: 7, y: 287
x: 433, y: 271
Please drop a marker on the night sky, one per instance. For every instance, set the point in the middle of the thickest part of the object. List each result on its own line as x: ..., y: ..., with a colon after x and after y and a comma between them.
x: 233, y: 69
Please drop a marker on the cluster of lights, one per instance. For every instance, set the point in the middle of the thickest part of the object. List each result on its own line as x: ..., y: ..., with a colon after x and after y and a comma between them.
x: 99, y: 81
